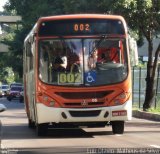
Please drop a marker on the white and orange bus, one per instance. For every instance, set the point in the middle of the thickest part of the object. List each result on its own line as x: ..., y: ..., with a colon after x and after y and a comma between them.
x: 77, y: 72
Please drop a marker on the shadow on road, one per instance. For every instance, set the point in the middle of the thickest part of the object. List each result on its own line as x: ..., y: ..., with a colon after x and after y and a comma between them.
x: 22, y: 131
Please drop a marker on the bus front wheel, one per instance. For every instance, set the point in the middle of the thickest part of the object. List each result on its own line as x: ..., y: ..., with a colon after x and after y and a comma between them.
x: 118, y: 127
x: 41, y: 129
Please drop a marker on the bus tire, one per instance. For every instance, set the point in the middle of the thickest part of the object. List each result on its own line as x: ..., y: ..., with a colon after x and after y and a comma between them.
x: 118, y: 127
x: 31, y: 124
x: 41, y: 129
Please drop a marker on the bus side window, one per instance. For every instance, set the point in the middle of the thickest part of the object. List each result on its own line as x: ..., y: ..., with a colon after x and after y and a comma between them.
x: 44, y: 62
x: 29, y: 57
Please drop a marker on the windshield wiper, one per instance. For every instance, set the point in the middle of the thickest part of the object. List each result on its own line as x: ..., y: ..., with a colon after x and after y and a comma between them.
x: 103, y: 37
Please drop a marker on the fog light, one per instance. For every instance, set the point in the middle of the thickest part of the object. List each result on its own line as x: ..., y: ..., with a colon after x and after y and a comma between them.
x: 106, y: 114
x: 64, y: 115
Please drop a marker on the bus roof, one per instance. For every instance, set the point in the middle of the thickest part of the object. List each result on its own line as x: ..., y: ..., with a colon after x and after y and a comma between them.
x: 79, y: 16
x: 76, y: 16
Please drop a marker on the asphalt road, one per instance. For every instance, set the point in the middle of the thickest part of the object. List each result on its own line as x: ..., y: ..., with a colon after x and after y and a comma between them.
x: 141, y: 136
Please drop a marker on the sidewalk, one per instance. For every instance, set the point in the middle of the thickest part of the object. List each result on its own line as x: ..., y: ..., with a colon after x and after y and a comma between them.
x: 146, y: 115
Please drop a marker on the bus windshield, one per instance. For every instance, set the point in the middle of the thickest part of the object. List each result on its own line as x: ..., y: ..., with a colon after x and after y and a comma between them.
x: 82, y: 61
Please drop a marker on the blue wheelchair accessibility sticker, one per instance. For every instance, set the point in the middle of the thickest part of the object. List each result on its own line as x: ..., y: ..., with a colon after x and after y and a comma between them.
x: 90, y: 76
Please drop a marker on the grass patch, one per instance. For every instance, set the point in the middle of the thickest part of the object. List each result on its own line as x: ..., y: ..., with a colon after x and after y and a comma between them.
x: 153, y: 110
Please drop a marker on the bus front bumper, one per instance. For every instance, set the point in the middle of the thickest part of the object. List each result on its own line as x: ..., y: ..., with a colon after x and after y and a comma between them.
x: 100, y: 114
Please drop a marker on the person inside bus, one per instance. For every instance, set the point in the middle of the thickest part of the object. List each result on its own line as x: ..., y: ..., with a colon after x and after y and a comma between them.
x: 60, y: 61
x: 102, y: 58
x: 92, y: 60
x: 59, y: 64
x: 107, y: 57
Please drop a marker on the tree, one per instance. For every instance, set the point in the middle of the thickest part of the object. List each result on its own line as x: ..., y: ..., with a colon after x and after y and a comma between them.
x: 7, y: 75
x: 14, y: 57
x: 144, y: 15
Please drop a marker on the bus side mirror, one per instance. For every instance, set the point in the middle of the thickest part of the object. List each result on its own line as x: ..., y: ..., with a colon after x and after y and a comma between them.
x: 2, y: 108
x: 133, y: 51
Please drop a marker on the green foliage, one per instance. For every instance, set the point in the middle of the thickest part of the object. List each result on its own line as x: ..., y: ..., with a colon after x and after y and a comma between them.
x: 142, y: 64
x: 86, y: 6
x: 14, y: 58
x: 143, y: 15
x: 153, y: 110
x: 7, y: 75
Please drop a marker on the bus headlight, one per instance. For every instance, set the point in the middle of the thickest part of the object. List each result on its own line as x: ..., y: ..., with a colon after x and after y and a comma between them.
x: 120, y: 99
x: 45, y: 98
x: 48, y: 101
x: 52, y: 103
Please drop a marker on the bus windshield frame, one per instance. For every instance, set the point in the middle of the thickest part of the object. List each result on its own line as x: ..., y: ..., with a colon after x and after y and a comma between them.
x: 76, y: 54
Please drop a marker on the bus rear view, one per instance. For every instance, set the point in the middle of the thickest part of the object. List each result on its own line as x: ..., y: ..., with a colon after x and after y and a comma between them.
x: 77, y: 72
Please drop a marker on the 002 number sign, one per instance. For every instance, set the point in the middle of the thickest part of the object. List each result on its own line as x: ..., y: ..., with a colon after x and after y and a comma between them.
x: 69, y: 78
x: 81, y: 27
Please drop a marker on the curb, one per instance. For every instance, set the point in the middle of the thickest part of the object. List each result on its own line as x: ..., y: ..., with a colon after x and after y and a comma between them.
x: 146, y: 115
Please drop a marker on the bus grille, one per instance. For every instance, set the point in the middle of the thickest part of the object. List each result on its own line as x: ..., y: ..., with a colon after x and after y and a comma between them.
x: 79, y: 104
x: 85, y: 113
x: 83, y: 95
